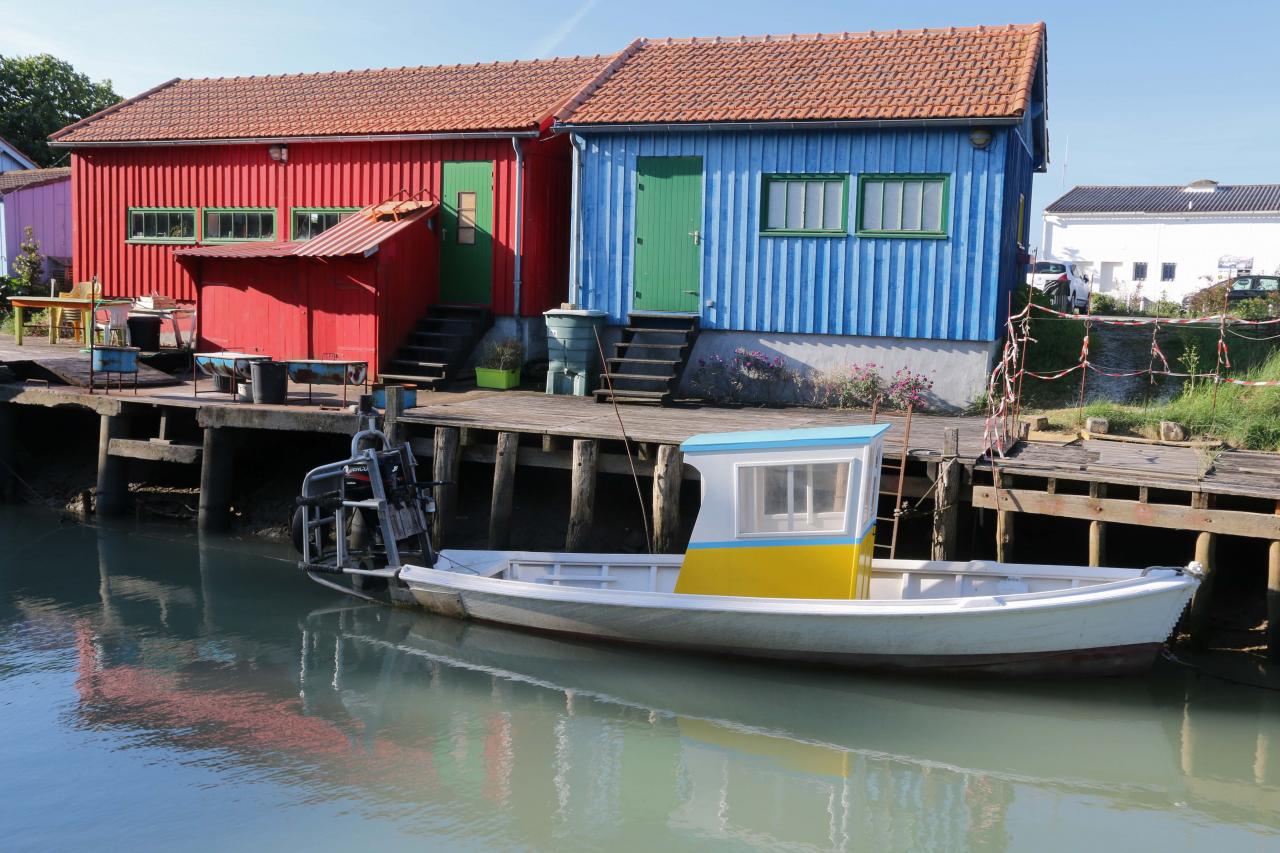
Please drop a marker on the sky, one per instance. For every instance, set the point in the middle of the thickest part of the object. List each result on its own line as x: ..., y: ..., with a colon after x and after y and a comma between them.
x: 1139, y: 92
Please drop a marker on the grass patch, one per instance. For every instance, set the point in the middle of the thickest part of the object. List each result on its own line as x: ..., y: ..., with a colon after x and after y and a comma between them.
x: 1241, y: 416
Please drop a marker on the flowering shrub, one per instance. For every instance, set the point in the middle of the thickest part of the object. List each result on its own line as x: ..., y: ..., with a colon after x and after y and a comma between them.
x: 715, y: 379
x: 908, y: 389
x: 761, y: 378
x: 857, y: 385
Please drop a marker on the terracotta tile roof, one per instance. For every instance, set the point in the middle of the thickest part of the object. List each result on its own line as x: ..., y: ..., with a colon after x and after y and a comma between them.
x: 979, y: 72
x: 498, y: 96
x: 21, y: 178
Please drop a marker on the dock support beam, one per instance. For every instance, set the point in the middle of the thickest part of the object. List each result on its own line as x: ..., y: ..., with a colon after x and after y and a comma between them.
x: 1097, y: 529
x: 1004, y: 525
x: 668, y: 472
x: 391, y: 426
x: 445, y: 461
x: 1273, y: 597
x: 113, y: 471
x: 583, y: 497
x: 946, y: 498
x: 216, y: 462
x: 1206, y: 546
x: 504, y: 484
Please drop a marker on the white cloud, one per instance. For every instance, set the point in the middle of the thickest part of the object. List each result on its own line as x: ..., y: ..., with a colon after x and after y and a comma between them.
x: 551, y: 43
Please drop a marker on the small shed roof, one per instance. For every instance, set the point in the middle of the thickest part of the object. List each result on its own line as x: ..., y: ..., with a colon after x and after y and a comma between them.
x: 1198, y: 197
x: 12, y: 150
x: 23, y: 178
x: 491, y: 97
x: 899, y: 75
x: 358, y: 234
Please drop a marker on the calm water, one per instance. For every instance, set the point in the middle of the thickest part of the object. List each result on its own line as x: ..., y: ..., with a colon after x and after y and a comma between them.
x: 156, y: 694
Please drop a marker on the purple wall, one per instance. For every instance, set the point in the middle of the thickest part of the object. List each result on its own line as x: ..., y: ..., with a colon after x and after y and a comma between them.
x: 47, y: 209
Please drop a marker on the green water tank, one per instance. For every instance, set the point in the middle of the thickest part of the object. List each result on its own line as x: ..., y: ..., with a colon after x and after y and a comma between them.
x: 572, y: 354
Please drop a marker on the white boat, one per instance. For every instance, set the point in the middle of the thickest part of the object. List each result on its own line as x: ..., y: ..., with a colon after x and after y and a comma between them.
x: 780, y: 567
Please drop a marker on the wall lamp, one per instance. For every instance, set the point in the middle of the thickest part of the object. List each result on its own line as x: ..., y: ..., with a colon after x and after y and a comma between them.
x: 979, y: 137
x: 280, y: 153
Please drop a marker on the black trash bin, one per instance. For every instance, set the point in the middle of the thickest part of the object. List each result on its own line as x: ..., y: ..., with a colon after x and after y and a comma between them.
x: 144, y: 333
x: 270, y: 381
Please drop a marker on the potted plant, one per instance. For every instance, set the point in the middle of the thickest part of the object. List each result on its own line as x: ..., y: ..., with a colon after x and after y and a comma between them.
x: 499, y: 365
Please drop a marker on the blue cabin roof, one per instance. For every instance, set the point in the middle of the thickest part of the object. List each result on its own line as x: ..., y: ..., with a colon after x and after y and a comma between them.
x: 833, y: 436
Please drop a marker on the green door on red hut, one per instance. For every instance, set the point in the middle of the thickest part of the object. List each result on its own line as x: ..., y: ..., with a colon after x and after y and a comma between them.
x: 668, y: 259
x: 466, y: 235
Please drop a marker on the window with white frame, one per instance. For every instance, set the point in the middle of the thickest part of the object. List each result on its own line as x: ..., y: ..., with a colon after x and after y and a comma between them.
x: 793, y: 497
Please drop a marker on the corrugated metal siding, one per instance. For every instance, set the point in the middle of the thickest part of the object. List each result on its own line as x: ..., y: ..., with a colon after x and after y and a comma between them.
x: 108, y: 181
x: 255, y: 306
x: 941, y: 289
x: 47, y: 209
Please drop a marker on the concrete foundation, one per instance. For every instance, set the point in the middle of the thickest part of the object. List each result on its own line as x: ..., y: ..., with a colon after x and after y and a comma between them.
x: 959, y: 369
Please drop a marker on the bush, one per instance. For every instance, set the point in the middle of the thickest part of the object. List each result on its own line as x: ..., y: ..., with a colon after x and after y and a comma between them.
x: 908, y: 389
x: 1103, y: 303
x: 715, y: 380
x: 1207, y: 302
x: 858, y: 385
x: 505, y: 354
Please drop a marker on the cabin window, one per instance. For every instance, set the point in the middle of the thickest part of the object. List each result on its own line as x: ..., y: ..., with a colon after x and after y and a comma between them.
x: 793, y: 498
x: 466, y: 219
x: 903, y: 205
x: 1168, y: 272
x: 308, y: 222
x: 804, y: 205
x: 239, y: 224
x: 1139, y: 271
x: 162, y: 225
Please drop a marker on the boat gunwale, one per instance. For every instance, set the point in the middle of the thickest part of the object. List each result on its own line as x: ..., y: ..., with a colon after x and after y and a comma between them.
x: 1157, y: 580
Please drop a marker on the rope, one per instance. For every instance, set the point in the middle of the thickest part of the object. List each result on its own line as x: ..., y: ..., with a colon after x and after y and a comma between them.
x: 626, y: 442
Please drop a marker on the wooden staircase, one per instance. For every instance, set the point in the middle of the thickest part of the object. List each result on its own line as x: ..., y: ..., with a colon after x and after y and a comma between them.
x: 649, y: 360
x: 438, y: 348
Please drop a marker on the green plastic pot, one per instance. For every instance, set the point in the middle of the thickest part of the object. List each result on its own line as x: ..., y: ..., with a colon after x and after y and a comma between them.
x: 501, y: 380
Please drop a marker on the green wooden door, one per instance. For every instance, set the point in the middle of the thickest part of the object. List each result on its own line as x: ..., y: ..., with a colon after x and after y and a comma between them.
x: 668, y: 265
x: 466, y: 236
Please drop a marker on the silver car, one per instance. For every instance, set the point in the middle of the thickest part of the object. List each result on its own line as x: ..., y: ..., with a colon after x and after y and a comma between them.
x: 1064, y: 282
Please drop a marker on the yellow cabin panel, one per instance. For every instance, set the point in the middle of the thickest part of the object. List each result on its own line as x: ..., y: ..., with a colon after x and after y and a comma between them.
x: 839, y: 571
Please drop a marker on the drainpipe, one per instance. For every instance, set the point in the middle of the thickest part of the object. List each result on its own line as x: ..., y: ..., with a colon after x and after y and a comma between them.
x: 575, y: 228
x: 517, y: 281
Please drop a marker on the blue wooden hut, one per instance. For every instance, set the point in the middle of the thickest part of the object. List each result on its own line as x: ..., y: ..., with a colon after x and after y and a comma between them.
x: 831, y: 199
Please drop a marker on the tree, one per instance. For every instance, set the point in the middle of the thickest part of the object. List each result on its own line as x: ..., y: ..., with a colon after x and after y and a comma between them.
x: 28, y: 266
x: 42, y: 94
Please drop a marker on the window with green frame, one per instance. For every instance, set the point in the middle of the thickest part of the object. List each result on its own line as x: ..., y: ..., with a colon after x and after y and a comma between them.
x: 807, y: 204
x: 308, y: 222
x: 897, y: 205
x: 161, y: 225
x: 238, y: 224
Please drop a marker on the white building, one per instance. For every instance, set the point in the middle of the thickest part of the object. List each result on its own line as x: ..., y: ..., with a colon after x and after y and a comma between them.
x: 1165, y: 242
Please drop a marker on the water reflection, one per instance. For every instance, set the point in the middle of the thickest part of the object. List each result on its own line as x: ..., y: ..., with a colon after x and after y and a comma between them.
x: 386, y: 725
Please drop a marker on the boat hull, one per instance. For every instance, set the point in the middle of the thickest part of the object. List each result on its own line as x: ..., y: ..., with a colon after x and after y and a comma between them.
x: 1113, y: 630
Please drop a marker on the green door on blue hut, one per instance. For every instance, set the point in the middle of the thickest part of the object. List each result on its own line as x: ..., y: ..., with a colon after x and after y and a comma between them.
x: 668, y: 259
x: 466, y: 236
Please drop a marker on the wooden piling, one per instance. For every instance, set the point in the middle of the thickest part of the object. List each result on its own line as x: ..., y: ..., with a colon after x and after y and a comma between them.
x: 1206, y: 546
x: 8, y: 450
x: 113, y: 471
x: 215, y: 481
x: 1004, y: 525
x: 582, y: 498
x: 1273, y: 597
x: 946, y: 503
x: 1097, y: 529
x: 391, y: 426
x: 668, y: 473
x: 504, y: 483
x: 445, y: 461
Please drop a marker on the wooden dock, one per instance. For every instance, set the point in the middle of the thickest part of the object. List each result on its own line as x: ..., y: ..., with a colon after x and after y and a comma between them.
x: 1210, y: 492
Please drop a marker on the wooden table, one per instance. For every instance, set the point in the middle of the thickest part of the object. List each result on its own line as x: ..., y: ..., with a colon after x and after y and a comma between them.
x: 85, y: 306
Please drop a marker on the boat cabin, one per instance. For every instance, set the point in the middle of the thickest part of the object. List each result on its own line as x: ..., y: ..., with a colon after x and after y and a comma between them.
x: 785, y: 513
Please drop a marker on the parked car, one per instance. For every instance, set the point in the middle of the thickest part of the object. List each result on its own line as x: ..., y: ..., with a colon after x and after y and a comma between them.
x: 1063, y: 282
x: 1237, y: 289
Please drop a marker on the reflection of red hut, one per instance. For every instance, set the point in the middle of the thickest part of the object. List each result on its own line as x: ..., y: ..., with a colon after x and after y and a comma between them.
x: 352, y: 293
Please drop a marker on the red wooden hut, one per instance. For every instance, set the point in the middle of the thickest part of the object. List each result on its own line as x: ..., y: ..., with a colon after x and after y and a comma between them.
x: 234, y: 165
